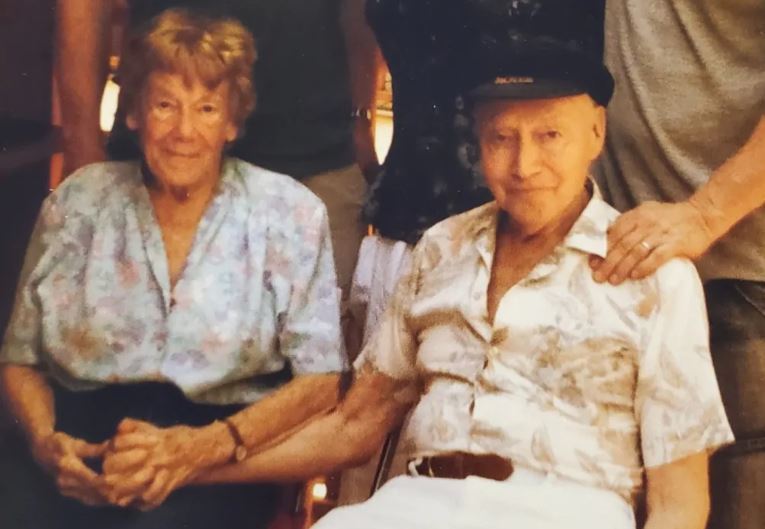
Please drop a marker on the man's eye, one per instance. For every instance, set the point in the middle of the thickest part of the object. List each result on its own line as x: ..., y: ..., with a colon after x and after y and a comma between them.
x: 551, y: 135
x: 209, y: 109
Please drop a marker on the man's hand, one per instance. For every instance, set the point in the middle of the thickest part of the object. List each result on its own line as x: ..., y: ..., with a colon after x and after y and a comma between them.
x: 145, y: 464
x: 63, y: 457
x: 643, y: 239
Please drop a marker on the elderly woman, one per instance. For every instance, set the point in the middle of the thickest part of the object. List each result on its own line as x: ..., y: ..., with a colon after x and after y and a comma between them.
x: 161, y: 297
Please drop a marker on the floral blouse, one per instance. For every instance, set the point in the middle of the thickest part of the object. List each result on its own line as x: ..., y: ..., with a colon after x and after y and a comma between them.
x: 256, y: 302
x: 591, y: 382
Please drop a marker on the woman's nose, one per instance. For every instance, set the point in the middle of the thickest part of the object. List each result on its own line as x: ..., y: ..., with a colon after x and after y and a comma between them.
x: 184, y: 125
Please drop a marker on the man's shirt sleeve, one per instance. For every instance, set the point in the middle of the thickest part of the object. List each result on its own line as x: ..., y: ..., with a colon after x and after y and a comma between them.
x: 677, y: 401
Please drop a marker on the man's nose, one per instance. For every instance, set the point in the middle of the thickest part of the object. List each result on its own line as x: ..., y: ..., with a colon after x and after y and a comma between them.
x: 527, y: 158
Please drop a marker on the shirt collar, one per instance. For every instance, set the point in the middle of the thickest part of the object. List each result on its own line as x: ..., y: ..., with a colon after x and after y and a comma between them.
x: 589, y: 234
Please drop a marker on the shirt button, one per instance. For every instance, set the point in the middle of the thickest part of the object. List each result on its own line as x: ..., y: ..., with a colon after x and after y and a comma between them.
x: 493, y: 350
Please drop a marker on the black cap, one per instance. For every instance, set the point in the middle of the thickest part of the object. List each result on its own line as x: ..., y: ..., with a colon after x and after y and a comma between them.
x: 532, y: 49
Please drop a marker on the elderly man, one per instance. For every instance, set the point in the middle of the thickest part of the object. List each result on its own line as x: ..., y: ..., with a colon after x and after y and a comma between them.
x: 541, y: 397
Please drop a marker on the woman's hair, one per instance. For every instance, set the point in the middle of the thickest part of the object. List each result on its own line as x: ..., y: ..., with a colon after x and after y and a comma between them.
x: 198, y: 48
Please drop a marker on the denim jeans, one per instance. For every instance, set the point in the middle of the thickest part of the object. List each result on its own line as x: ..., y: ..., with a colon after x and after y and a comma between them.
x: 737, y: 324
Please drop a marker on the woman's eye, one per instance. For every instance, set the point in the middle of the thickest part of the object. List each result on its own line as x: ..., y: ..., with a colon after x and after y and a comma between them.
x: 163, y: 105
x: 209, y: 109
x: 552, y: 135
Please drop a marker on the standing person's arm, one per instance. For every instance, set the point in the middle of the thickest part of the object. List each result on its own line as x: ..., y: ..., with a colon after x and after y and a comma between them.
x: 82, y: 56
x: 365, y: 70
x: 648, y: 236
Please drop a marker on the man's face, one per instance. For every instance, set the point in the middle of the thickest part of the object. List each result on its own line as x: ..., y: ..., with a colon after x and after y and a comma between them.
x: 183, y: 129
x: 536, y: 154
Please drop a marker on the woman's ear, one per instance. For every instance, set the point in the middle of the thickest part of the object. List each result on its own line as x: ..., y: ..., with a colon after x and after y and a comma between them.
x: 231, y: 132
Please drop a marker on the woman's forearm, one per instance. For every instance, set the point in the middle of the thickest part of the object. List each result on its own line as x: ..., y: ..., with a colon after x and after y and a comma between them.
x: 268, y: 420
x: 302, y: 399
x: 321, y: 447
x: 347, y: 436
x: 29, y: 399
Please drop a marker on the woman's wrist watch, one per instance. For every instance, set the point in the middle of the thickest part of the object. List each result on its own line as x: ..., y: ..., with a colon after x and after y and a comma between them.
x: 240, y: 450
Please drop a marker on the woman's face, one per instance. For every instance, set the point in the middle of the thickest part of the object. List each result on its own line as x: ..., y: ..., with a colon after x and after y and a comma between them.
x: 183, y: 129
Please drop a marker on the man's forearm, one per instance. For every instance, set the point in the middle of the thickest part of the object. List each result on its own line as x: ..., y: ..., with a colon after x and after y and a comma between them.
x: 681, y: 517
x: 678, y: 494
x: 736, y: 188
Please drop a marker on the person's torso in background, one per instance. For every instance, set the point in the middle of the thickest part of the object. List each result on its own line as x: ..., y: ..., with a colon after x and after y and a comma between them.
x: 302, y: 121
x: 690, y: 88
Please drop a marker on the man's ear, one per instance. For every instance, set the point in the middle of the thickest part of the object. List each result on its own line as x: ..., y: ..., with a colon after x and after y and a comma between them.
x: 598, y: 130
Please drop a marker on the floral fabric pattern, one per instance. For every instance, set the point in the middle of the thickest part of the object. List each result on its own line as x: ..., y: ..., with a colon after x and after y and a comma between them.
x: 591, y: 382
x: 256, y: 302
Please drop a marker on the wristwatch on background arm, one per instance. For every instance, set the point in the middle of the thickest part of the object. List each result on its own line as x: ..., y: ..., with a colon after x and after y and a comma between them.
x: 362, y: 112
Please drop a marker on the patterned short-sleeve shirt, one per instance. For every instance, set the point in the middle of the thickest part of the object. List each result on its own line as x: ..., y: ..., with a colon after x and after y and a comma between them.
x: 588, y: 381
x: 256, y: 302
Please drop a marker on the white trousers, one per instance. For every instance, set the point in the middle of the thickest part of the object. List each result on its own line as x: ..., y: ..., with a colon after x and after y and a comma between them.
x: 526, y: 500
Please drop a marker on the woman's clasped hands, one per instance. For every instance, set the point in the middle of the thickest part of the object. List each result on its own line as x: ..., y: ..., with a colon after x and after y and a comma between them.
x: 141, y: 465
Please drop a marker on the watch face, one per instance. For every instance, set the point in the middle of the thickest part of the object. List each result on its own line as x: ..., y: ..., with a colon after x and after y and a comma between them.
x: 240, y: 453
x: 361, y: 113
